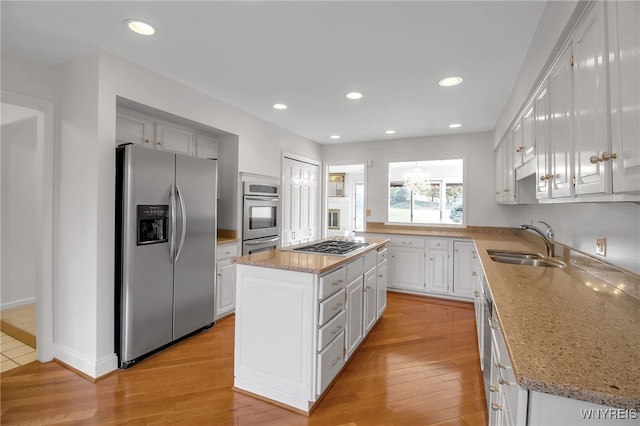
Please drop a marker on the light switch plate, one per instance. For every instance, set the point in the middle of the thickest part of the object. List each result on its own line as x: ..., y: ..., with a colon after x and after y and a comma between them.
x: 601, y: 246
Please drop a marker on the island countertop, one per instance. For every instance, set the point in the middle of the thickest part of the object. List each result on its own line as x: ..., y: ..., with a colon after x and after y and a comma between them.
x: 307, y: 262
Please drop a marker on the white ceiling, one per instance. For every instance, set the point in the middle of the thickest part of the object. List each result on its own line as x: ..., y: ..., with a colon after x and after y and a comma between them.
x: 306, y: 54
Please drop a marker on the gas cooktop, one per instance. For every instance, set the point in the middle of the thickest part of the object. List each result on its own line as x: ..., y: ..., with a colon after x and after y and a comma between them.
x: 331, y: 247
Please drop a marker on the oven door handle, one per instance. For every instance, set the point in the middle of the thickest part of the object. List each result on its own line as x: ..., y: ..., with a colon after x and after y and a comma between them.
x: 261, y: 198
x: 253, y: 243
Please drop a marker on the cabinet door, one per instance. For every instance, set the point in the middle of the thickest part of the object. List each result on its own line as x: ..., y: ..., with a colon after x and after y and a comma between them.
x: 174, y: 139
x: 438, y: 271
x: 517, y: 148
x: 505, y: 176
x: 381, y: 298
x: 206, y: 146
x: 407, y: 268
x: 528, y: 149
x: 590, y: 107
x: 370, y: 290
x: 560, y: 113
x: 133, y: 129
x: 541, y: 134
x: 354, y: 308
x: 463, y: 268
x: 624, y: 58
x: 225, y: 302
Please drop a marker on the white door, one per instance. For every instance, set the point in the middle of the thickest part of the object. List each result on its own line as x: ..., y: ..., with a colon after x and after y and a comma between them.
x: 370, y: 290
x: 408, y: 268
x: 463, y: 268
x: 541, y: 134
x: 131, y: 128
x: 590, y: 105
x: 624, y: 58
x: 299, y: 202
x: 560, y: 113
x: 174, y: 139
x: 354, y: 308
x: 437, y: 271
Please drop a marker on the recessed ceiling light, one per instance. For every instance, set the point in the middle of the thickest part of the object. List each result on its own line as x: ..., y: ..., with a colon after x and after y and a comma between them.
x: 450, y: 81
x: 335, y: 136
x: 353, y: 95
x: 139, y: 27
x: 390, y: 132
x: 279, y: 106
x: 455, y: 125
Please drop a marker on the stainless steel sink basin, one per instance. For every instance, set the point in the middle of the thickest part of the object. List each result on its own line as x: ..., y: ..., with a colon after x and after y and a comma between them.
x: 525, y: 258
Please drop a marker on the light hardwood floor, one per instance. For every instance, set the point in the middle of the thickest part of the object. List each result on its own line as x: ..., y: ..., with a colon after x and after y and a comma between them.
x: 419, y: 366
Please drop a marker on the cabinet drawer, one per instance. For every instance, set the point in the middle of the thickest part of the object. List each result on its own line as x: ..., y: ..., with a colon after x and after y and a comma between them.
x: 331, y: 307
x: 330, y: 362
x: 224, y: 251
x: 382, y: 254
x: 407, y: 242
x: 355, y: 268
x: 332, y: 282
x: 438, y: 244
x: 370, y: 260
x: 331, y: 329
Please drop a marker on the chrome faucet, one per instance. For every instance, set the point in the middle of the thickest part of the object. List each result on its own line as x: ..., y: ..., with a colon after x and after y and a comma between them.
x: 548, y: 238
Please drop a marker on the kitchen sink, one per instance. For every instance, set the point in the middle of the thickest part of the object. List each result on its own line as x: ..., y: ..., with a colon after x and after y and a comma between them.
x: 525, y: 258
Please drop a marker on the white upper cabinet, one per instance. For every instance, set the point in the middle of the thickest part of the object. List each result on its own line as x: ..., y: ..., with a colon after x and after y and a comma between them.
x: 517, y: 148
x: 590, y: 109
x: 131, y: 128
x: 528, y: 146
x: 175, y: 139
x: 560, y: 134
x: 541, y: 132
x: 624, y: 61
x: 206, y: 146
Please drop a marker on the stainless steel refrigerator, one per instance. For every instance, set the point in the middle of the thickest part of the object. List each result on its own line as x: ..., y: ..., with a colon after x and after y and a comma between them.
x: 165, y: 249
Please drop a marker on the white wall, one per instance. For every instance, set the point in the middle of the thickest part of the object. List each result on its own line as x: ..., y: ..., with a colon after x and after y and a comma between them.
x: 19, y: 206
x: 474, y: 148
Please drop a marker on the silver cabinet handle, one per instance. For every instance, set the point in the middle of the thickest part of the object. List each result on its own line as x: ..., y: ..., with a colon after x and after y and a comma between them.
x: 504, y: 382
x: 338, y: 305
x: 335, y: 361
x: 494, y: 388
x: 336, y: 282
x: 501, y: 366
x: 336, y: 330
x: 496, y: 407
x: 476, y: 293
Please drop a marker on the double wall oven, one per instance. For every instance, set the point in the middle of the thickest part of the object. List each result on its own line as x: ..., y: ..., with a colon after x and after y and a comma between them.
x: 260, y: 217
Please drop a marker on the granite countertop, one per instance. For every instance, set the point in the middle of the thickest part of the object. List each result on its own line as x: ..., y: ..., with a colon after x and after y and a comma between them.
x: 306, y: 262
x: 568, y: 332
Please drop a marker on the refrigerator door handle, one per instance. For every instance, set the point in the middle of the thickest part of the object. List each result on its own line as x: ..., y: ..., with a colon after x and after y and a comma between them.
x: 184, y: 222
x: 172, y: 236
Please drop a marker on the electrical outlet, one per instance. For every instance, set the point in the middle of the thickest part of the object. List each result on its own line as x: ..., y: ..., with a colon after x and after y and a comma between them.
x: 601, y: 246
x: 368, y: 212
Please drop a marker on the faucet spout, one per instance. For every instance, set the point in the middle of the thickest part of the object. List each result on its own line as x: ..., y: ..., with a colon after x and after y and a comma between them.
x: 549, y: 244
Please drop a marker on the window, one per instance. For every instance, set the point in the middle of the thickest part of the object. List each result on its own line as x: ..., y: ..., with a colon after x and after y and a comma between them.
x: 426, y: 192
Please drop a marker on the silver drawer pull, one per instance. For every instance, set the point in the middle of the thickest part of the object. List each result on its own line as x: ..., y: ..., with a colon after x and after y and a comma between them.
x: 337, y: 306
x: 337, y: 282
x: 496, y: 407
x: 335, y: 361
x: 476, y: 293
x: 502, y: 366
x: 336, y: 330
x: 494, y: 388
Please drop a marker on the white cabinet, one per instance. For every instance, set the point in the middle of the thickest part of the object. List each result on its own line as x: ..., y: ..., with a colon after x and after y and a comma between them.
x: 478, y: 304
x: 225, y: 284
x: 437, y: 267
x: 407, y: 266
x: 206, y: 146
x: 135, y: 129
x: 543, y: 145
x: 624, y: 62
x: 354, y: 311
x: 381, y: 299
x: 370, y: 292
x: 464, y: 270
x: 175, y: 139
x: 590, y: 117
x: 505, y: 175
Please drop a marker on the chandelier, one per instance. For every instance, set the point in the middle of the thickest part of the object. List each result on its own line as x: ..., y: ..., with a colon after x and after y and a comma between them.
x: 417, y: 181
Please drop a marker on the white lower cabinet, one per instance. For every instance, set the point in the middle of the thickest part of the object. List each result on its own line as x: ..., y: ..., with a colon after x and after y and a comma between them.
x: 295, y: 331
x: 225, y: 284
x: 431, y: 265
x: 382, y: 268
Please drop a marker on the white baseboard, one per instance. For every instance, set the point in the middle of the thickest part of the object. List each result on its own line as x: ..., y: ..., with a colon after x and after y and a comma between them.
x: 17, y: 303
x: 85, y: 364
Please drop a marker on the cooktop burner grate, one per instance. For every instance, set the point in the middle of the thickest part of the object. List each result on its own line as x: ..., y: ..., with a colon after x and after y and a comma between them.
x: 334, y: 247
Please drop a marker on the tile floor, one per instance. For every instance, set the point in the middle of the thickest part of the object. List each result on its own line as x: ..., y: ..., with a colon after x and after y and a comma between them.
x: 14, y: 353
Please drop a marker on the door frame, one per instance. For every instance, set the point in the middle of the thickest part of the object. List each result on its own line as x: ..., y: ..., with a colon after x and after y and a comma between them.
x: 325, y: 195
x: 44, y: 282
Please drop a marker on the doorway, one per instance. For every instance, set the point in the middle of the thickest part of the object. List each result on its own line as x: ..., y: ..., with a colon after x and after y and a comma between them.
x: 26, y: 226
x: 345, y: 199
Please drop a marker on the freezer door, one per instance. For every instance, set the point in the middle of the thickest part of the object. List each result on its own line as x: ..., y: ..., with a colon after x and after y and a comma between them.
x: 194, y: 269
x: 146, y: 293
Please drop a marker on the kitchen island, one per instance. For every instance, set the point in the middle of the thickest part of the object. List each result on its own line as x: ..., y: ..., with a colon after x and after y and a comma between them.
x: 300, y: 316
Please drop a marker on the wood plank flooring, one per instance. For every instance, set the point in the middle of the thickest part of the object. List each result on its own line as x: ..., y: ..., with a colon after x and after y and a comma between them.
x: 419, y: 366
